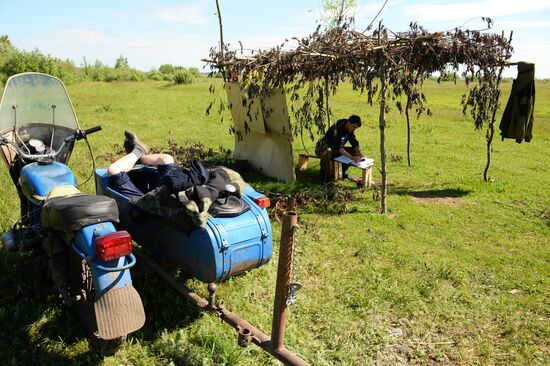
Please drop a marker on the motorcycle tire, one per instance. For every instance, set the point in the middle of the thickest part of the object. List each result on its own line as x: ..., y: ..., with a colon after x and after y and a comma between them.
x: 81, y: 283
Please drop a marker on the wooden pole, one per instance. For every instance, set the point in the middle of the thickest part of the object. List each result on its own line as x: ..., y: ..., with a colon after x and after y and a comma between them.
x: 408, y: 131
x: 382, y: 125
x: 222, y: 66
x: 491, y: 127
x: 327, y: 105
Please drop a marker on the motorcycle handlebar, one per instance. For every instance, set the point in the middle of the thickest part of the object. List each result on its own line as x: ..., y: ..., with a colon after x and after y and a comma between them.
x: 80, y: 134
x: 77, y: 135
x: 92, y: 130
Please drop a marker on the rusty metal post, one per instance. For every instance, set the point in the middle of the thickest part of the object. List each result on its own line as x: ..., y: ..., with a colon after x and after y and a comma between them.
x: 286, y: 254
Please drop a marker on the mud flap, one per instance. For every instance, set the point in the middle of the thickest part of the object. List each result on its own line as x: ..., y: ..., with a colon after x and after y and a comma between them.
x: 118, y: 312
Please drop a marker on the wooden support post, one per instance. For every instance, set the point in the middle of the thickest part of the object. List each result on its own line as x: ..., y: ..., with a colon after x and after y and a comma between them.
x: 491, y: 127
x: 382, y: 125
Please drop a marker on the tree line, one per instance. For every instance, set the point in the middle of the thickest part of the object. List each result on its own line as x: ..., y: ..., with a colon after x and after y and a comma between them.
x: 14, y: 61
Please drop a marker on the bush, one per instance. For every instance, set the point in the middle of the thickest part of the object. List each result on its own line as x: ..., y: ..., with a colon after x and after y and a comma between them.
x: 102, y: 72
x: 155, y: 75
x: 21, y: 61
x: 166, y: 69
x: 183, y: 77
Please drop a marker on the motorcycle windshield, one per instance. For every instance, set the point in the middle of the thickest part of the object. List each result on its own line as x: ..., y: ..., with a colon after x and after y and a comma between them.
x: 36, y: 99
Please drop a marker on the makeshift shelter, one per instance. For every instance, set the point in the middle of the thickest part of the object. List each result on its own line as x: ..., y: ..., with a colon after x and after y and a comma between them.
x: 383, y: 65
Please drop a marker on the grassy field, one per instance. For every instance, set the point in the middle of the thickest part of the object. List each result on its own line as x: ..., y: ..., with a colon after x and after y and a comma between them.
x: 457, y: 274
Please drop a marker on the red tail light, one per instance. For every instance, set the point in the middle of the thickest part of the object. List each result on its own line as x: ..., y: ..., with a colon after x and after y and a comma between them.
x: 263, y: 202
x: 113, y: 245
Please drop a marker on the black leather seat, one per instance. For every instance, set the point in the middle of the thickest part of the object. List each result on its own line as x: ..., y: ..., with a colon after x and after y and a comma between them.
x: 71, y: 213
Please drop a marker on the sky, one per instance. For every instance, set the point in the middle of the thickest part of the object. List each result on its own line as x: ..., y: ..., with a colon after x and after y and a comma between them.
x: 151, y: 33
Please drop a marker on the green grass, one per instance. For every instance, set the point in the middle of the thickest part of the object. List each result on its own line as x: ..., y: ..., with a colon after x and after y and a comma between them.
x: 442, y: 273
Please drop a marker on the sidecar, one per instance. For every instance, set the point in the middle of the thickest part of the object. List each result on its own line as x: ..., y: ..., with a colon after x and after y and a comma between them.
x: 234, y: 240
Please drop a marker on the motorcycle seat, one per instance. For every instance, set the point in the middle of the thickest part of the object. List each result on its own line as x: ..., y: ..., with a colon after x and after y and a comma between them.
x: 75, y: 210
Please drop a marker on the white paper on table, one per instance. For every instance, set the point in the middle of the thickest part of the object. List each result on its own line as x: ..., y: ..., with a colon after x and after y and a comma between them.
x: 363, y: 164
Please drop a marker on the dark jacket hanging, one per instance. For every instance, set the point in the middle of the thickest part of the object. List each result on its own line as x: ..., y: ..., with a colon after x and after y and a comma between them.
x: 517, y: 120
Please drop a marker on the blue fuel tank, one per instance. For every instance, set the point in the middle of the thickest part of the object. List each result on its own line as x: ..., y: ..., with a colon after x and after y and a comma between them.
x: 38, y: 179
x: 225, y: 247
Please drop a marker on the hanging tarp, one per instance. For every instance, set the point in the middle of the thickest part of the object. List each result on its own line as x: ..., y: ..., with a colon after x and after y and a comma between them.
x: 262, y: 132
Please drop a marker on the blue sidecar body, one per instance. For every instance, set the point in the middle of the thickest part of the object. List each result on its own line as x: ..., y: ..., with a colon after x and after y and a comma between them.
x: 225, y: 247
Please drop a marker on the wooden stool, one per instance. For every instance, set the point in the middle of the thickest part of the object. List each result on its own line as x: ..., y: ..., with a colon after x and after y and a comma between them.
x: 303, y: 160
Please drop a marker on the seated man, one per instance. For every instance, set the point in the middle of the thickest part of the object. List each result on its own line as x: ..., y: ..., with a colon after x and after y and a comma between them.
x: 332, y: 144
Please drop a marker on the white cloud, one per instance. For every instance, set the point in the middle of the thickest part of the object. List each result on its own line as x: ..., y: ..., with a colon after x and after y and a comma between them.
x: 370, y: 9
x: 187, y: 14
x: 452, y: 10
x: 519, y: 24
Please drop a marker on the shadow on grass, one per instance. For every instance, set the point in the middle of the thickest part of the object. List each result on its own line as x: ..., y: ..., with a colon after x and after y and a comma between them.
x: 36, y: 327
x: 431, y: 193
x: 165, y: 309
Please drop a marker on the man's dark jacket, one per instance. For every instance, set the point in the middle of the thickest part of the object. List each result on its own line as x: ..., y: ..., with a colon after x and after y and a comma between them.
x: 337, y: 136
x: 517, y: 120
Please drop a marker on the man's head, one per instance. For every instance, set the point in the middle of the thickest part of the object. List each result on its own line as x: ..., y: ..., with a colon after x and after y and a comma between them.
x: 353, y: 123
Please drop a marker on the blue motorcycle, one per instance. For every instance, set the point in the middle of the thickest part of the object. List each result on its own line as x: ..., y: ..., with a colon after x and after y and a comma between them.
x: 89, y: 260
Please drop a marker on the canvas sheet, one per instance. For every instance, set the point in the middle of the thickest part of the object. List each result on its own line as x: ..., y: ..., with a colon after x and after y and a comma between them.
x: 267, y: 145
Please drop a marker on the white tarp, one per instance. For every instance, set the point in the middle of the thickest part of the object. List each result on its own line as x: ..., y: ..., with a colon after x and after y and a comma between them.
x: 267, y: 145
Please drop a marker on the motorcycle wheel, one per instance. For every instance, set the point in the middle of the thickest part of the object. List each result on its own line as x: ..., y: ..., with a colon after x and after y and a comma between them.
x: 81, y: 283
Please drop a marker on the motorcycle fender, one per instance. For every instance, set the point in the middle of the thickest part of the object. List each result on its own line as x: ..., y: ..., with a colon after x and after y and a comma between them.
x: 119, y: 312
x: 117, y: 306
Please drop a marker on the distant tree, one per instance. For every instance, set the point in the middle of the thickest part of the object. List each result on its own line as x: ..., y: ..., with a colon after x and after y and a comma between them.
x: 6, y: 48
x: 167, y: 69
x: 121, y: 63
x: 5, y: 43
x: 334, y: 11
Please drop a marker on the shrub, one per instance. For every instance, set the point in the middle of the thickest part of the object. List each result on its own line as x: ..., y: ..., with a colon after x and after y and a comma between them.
x: 166, y: 69
x: 183, y: 77
x: 155, y: 75
x: 22, y: 61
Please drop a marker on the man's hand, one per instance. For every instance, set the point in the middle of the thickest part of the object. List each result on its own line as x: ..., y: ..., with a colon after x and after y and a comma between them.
x: 357, y: 158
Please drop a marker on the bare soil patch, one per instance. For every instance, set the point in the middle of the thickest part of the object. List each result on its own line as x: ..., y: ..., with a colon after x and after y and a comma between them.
x: 436, y: 197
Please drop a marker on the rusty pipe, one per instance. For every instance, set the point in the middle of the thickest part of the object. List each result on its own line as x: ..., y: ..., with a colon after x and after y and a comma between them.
x: 245, y: 337
x: 260, y: 338
x: 284, y: 267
